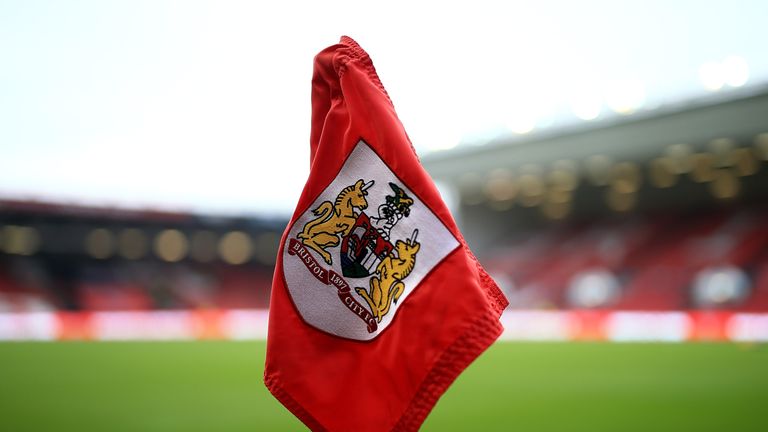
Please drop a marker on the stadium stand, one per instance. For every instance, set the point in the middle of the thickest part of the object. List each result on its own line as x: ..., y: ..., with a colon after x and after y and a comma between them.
x: 77, y: 258
x: 650, y: 264
x: 663, y: 210
x: 701, y: 260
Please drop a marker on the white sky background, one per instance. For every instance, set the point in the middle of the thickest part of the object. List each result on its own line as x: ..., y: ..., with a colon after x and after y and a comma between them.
x: 205, y: 106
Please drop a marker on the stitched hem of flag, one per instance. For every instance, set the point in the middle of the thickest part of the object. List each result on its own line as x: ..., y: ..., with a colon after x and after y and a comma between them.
x: 493, y: 293
x: 356, y: 53
x: 291, y: 404
x: 457, y: 357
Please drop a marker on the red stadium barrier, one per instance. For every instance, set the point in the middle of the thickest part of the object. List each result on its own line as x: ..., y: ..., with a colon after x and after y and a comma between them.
x: 135, y: 325
x: 251, y: 324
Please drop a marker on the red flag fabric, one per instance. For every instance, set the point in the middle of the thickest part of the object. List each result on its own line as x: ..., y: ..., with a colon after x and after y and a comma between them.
x: 377, y: 302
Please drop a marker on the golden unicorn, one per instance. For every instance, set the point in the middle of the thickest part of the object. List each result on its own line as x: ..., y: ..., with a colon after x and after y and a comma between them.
x: 335, y: 219
x: 387, y: 286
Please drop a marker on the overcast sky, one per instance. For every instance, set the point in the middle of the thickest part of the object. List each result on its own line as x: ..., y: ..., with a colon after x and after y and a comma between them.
x: 202, y: 106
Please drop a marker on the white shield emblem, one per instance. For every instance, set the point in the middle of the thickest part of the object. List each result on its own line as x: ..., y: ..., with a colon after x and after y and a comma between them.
x: 364, y: 245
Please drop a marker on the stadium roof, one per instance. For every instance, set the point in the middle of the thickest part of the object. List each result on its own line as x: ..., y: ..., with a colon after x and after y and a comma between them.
x: 737, y: 115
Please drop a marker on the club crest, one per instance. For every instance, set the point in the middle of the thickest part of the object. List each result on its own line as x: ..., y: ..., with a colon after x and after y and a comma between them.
x: 354, y: 256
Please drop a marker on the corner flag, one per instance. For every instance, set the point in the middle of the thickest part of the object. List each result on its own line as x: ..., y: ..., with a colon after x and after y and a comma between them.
x: 377, y: 302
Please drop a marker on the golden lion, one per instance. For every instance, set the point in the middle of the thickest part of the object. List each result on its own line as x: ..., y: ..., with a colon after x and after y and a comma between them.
x: 387, y: 286
x: 335, y: 219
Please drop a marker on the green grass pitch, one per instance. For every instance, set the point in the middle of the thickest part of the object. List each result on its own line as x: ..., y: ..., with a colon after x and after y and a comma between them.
x: 216, y: 386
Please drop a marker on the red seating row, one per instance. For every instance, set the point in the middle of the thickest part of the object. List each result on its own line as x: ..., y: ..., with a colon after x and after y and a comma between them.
x: 655, y: 260
x: 218, y: 288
